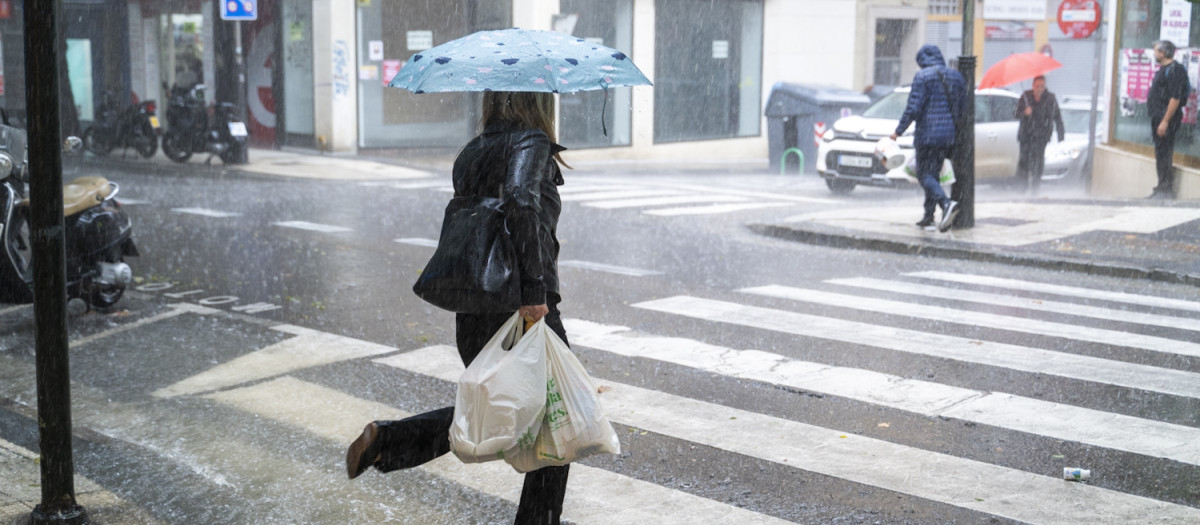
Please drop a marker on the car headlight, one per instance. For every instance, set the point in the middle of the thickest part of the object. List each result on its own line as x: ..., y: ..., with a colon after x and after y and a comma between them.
x: 1066, y: 153
x: 828, y: 135
x: 6, y: 165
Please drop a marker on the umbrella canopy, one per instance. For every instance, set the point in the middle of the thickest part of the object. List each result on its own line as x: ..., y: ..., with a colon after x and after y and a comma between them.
x: 517, y: 60
x: 1017, y: 67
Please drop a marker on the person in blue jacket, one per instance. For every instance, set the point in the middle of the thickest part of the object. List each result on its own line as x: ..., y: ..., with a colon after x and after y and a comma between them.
x: 934, y: 104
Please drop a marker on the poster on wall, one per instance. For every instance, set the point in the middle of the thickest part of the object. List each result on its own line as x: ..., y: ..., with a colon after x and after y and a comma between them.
x: 1137, y: 71
x: 1176, y: 22
x: 1190, y: 58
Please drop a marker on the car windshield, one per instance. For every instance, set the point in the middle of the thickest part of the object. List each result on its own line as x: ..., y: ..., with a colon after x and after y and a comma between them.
x: 1076, y: 120
x: 889, y: 107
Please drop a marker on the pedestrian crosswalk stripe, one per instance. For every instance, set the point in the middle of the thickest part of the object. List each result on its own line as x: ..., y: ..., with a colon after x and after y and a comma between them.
x: 594, y: 495
x: 714, y: 209
x: 175, y: 311
x: 1056, y: 289
x: 1004, y: 355
x: 981, y: 319
x: 617, y: 194
x: 572, y: 187
x: 205, y: 212
x: 407, y: 185
x: 1065, y: 422
x: 312, y: 226
x: 943, y: 478
x: 954, y: 294
x: 419, y: 241
x: 308, y: 349
x: 608, y: 268
x: 662, y: 201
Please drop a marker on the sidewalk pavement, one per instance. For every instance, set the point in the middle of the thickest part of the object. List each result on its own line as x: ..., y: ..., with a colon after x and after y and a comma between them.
x: 21, y: 491
x: 1142, y: 239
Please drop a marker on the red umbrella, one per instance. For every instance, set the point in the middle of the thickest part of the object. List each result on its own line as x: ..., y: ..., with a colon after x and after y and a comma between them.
x: 1017, y: 67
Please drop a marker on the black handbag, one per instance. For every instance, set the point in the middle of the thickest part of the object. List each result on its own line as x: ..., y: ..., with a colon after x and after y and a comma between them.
x: 474, y: 268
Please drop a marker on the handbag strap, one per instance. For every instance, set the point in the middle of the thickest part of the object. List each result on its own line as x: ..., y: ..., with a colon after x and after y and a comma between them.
x: 946, y: 92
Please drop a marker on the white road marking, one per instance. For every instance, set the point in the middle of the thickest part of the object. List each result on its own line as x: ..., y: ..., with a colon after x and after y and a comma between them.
x: 312, y: 226
x: 981, y: 319
x: 205, y: 212
x: 594, y: 495
x: 1056, y: 289
x: 124, y: 202
x: 1065, y: 422
x: 16, y: 308
x: 618, y: 194
x: 954, y: 294
x: 1014, y: 357
x: 408, y: 185
x: 714, y: 209
x: 662, y: 201
x: 582, y: 188
x: 964, y: 483
x: 177, y: 309
x: 419, y: 241
x: 308, y: 349
x: 601, y: 267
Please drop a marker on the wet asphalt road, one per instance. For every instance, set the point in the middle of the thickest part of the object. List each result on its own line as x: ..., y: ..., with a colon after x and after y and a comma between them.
x: 925, y: 445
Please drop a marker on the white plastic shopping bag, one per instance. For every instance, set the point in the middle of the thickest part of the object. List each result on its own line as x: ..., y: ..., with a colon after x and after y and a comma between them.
x: 574, y: 425
x: 889, y: 153
x: 501, y: 396
x: 945, y: 177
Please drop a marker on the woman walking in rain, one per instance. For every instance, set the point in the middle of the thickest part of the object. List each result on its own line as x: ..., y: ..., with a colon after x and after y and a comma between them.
x: 515, y: 152
x: 1039, y: 115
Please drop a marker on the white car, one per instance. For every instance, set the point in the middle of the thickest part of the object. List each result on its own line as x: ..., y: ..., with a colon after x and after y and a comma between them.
x: 1065, y: 160
x: 846, y: 156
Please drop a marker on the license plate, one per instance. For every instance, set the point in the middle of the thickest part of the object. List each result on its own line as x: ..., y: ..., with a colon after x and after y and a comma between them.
x: 855, y: 161
x: 237, y: 129
x: 154, y: 122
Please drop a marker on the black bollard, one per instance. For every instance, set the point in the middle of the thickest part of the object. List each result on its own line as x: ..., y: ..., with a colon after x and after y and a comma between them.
x: 58, y: 505
x: 963, y: 189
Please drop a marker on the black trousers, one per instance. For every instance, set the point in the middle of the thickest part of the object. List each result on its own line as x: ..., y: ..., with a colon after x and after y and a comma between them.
x: 1164, y: 150
x: 416, y: 440
x: 1032, y: 163
x: 929, y: 168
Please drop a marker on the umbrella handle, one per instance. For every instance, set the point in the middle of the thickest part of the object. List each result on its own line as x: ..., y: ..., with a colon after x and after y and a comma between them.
x: 603, y: 112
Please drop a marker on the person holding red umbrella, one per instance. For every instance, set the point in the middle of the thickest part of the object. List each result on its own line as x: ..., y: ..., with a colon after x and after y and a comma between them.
x: 1039, y: 115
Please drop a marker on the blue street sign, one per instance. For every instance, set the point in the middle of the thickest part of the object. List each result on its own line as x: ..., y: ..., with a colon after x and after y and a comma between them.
x: 239, y: 9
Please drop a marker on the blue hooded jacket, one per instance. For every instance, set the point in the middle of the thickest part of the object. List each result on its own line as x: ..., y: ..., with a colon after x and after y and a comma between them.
x: 927, y: 104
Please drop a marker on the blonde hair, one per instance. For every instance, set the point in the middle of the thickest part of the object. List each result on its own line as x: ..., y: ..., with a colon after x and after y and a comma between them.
x: 526, y: 108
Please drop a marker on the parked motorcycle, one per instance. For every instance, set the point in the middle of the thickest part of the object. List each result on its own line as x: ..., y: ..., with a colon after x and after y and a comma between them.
x: 98, y: 232
x: 135, y: 126
x: 189, y: 130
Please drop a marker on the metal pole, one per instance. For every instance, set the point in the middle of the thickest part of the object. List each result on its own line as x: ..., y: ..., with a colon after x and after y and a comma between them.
x: 58, y: 504
x: 963, y: 189
x: 1091, y: 147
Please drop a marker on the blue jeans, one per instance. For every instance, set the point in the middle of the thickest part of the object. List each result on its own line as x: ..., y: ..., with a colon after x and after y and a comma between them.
x: 929, y: 167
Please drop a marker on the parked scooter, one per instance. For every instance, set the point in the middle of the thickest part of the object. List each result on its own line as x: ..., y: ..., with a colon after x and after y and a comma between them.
x: 135, y: 126
x: 98, y: 232
x: 188, y: 129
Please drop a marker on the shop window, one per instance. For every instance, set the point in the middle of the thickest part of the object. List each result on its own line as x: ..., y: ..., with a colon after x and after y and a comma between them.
x: 1140, y: 25
x: 708, y: 69
x: 610, y: 23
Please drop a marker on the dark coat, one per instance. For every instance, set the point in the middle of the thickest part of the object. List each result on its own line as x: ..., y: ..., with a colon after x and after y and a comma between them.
x: 1037, y: 128
x: 520, y: 162
x: 927, y: 104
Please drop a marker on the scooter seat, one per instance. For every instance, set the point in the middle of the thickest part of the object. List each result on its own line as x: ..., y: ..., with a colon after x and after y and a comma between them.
x: 81, y: 194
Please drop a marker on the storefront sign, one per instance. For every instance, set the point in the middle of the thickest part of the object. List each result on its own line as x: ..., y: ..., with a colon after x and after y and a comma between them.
x: 419, y: 40
x: 1176, y: 22
x: 1008, y: 32
x: 1014, y: 10
x: 1079, y: 18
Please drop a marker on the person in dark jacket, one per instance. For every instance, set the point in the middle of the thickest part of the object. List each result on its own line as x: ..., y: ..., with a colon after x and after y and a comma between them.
x: 514, y: 154
x: 1040, y: 116
x: 935, y: 103
x: 1168, y: 94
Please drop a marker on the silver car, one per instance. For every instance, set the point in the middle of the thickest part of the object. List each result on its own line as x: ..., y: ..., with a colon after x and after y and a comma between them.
x: 846, y: 157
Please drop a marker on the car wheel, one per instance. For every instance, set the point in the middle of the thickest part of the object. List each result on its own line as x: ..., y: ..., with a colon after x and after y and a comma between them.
x: 839, y: 186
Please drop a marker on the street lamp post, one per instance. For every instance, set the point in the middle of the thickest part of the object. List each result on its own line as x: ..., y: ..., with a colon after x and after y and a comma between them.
x: 58, y: 505
x: 963, y: 189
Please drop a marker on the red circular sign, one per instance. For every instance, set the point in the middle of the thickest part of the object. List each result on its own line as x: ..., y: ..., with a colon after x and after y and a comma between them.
x: 1079, y: 18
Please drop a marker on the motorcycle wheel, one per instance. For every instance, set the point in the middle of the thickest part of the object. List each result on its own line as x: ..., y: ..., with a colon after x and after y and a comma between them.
x: 95, y: 142
x: 175, y: 147
x: 145, y: 141
x: 234, y: 155
x: 16, y: 272
x: 103, y: 296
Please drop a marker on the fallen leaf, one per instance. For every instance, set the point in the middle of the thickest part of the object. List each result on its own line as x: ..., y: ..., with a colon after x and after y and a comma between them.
x: 602, y: 389
x: 884, y: 425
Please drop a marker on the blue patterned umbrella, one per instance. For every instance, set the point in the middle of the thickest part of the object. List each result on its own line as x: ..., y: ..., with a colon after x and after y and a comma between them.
x: 517, y: 60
